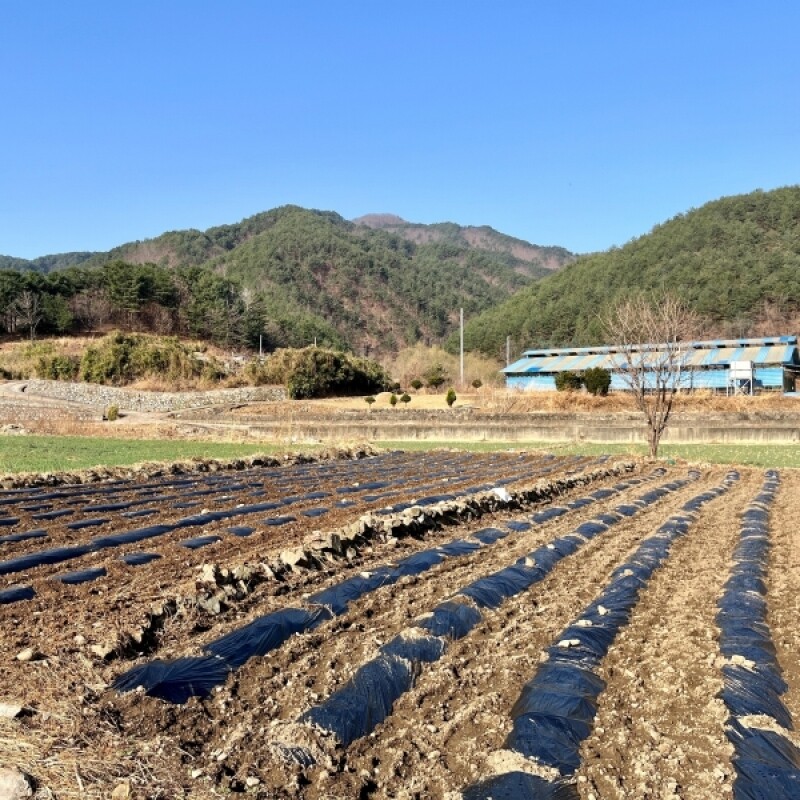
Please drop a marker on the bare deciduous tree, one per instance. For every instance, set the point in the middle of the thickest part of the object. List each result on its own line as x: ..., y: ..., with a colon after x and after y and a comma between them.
x: 652, y: 337
x: 91, y: 307
x: 28, y: 308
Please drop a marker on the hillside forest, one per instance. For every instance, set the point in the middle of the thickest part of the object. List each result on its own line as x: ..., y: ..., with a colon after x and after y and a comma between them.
x: 291, y: 277
x: 285, y: 278
x: 734, y: 261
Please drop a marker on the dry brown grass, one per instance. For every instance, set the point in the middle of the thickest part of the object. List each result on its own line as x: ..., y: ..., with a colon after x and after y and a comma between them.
x: 708, y: 401
x: 50, y: 742
x: 19, y: 358
x: 412, y: 362
x: 493, y: 400
x: 505, y: 401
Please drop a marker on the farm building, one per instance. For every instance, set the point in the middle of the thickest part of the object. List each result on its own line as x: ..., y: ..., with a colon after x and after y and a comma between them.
x: 728, y: 365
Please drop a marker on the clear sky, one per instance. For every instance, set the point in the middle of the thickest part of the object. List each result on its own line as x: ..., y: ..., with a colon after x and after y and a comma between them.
x: 580, y: 124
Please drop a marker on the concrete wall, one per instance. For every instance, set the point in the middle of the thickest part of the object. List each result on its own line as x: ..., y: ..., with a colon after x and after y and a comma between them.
x: 447, y: 426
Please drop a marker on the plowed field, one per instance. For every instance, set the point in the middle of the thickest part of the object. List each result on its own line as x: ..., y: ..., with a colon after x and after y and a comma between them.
x: 438, y: 625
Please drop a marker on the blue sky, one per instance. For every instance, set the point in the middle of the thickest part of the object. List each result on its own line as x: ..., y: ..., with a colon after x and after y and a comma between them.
x: 579, y: 124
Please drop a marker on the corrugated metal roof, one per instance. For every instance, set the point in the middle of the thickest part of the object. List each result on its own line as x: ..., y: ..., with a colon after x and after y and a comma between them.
x: 709, y: 355
x: 710, y: 344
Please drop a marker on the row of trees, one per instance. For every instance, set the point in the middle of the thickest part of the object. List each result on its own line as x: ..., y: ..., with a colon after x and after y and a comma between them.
x: 305, y: 277
x: 188, y: 301
x: 290, y: 274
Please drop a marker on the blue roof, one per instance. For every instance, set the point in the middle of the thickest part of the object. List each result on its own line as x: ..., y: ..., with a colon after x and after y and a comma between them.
x: 713, y: 354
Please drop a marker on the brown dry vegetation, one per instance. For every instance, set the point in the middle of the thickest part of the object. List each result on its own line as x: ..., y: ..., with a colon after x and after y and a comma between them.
x: 21, y: 360
x: 498, y: 400
x: 501, y: 400
x: 413, y: 362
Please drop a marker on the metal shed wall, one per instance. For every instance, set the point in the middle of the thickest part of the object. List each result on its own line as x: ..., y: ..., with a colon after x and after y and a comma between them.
x: 706, y: 363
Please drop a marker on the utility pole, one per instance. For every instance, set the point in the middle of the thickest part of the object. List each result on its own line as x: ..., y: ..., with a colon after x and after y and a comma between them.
x: 508, y: 350
x: 462, y: 348
x: 260, y: 347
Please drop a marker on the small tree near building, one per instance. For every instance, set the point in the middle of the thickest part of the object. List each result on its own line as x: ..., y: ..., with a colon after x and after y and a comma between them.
x: 451, y: 397
x: 597, y: 381
x: 435, y: 376
x: 654, y: 375
x: 568, y: 381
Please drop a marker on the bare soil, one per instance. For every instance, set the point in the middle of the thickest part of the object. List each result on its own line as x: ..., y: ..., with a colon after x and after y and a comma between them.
x: 659, y: 730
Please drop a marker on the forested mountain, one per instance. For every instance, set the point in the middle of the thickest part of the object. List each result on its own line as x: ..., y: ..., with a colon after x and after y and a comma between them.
x: 46, y: 263
x: 289, y: 275
x: 483, y: 237
x: 736, y: 261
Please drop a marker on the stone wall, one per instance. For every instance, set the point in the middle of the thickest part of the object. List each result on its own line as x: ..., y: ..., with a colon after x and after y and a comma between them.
x: 100, y: 397
x: 304, y: 423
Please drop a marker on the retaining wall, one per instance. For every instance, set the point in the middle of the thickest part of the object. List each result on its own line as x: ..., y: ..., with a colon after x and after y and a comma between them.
x: 101, y: 397
x: 441, y: 426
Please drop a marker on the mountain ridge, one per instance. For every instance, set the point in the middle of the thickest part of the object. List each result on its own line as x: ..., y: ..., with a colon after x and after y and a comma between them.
x: 306, y: 274
x: 481, y: 236
x: 735, y: 261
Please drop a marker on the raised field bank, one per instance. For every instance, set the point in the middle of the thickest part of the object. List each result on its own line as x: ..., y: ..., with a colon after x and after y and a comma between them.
x: 395, y: 624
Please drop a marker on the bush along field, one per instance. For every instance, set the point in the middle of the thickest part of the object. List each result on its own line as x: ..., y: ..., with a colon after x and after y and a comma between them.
x: 438, y: 624
x: 165, y: 362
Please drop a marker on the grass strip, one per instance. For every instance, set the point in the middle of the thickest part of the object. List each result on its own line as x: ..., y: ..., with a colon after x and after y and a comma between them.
x: 66, y: 453
x: 34, y: 453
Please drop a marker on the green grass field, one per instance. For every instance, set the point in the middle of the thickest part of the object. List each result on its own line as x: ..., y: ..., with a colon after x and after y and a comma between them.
x: 57, y: 453
x: 763, y: 455
x: 67, y: 453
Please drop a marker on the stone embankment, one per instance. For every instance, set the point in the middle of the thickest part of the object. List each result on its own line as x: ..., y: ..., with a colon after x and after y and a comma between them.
x: 466, y: 424
x: 101, y: 397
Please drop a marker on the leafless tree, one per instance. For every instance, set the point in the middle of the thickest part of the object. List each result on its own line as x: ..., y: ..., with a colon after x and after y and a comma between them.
x: 91, y: 307
x: 652, y: 337
x: 28, y: 308
x: 158, y: 319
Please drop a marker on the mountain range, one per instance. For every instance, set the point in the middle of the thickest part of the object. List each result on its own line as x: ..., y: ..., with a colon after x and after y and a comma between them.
x: 363, y: 284
x: 379, y: 283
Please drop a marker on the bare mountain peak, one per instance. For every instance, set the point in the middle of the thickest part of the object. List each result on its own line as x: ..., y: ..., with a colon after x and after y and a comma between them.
x: 481, y: 237
x: 380, y: 220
